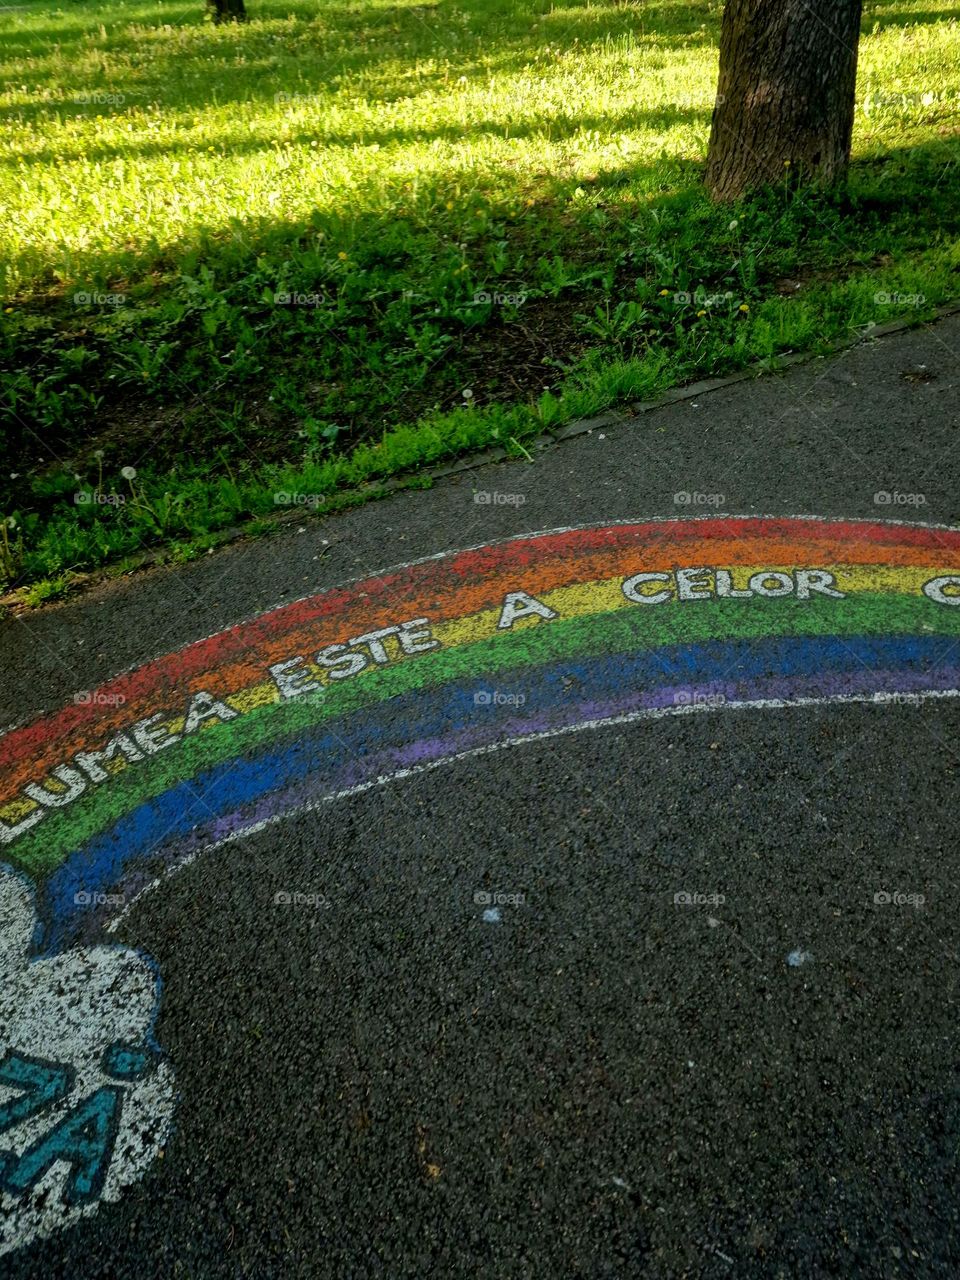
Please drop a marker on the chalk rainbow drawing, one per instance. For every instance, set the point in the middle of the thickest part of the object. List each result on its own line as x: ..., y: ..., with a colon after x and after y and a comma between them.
x: 451, y: 656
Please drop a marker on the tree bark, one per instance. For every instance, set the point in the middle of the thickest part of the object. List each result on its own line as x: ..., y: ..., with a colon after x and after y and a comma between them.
x: 786, y: 94
x: 227, y: 11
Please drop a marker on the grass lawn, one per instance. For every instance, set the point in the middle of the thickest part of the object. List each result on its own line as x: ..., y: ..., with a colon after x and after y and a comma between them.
x: 347, y: 239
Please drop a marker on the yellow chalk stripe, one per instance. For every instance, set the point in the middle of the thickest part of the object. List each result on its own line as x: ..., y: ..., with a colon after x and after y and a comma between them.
x: 16, y: 810
x: 599, y: 596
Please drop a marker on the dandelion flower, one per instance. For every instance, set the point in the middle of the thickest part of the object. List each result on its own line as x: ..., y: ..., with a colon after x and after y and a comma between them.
x: 129, y: 473
x: 744, y: 307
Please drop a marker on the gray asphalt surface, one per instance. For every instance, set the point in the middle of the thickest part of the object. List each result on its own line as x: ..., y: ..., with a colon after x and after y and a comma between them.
x: 600, y: 1084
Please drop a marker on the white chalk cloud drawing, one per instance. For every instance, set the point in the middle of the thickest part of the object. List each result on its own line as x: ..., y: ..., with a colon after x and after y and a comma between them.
x: 85, y: 1099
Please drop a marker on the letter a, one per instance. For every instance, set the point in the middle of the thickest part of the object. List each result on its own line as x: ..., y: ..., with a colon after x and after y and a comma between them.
x: 517, y: 604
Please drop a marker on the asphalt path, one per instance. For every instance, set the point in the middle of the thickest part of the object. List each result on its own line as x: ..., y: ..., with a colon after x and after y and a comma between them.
x: 461, y: 1023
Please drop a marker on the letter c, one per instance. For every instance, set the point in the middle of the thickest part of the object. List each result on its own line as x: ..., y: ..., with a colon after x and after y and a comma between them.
x: 934, y: 589
x: 631, y: 591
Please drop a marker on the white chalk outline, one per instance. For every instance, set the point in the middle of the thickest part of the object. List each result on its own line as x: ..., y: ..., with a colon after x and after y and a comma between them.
x: 647, y: 713
x: 651, y: 713
x: 480, y: 546
x: 628, y: 718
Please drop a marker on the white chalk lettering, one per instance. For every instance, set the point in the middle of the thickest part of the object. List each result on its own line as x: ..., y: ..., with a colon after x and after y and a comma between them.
x: 374, y: 642
x: 74, y: 783
x: 202, y: 707
x: 936, y: 589
x: 152, y: 737
x: 340, y: 662
x: 517, y: 604
x: 291, y: 679
x: 92, y: 762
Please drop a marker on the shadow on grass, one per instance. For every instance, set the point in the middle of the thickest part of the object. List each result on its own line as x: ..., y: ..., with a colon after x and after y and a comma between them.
x: 376, y: 40
x: 357, y: 358
x: 553, y: 129
x: 894, y: 13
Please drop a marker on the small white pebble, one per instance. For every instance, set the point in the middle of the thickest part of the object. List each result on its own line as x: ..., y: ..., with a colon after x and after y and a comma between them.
x: 492, y: 915
x: 796, y: 958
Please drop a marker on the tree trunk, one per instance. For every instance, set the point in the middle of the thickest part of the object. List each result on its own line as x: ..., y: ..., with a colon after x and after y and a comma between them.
x: 227, y: 11
x: 785, y: 99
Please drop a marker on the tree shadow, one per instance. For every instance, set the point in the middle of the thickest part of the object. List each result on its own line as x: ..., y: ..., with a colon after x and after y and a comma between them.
x: 556, y: 128
x: 377, y: 44
x: 894, y: 13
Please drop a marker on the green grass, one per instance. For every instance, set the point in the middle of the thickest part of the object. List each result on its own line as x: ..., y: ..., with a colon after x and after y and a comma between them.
x: 394, y: 162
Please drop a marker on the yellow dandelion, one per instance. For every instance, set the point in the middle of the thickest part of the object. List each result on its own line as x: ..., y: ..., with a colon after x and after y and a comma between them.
x: 744, y: 307
x: 700, y: 313
x: 664, y: 293
x: 342, y: 257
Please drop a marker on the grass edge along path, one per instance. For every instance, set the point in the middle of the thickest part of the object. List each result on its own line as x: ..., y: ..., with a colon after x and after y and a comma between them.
x: 411, y: 457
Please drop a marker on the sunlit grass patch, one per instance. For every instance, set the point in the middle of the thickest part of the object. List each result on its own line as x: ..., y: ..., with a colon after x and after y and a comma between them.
x: 167, y: 188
